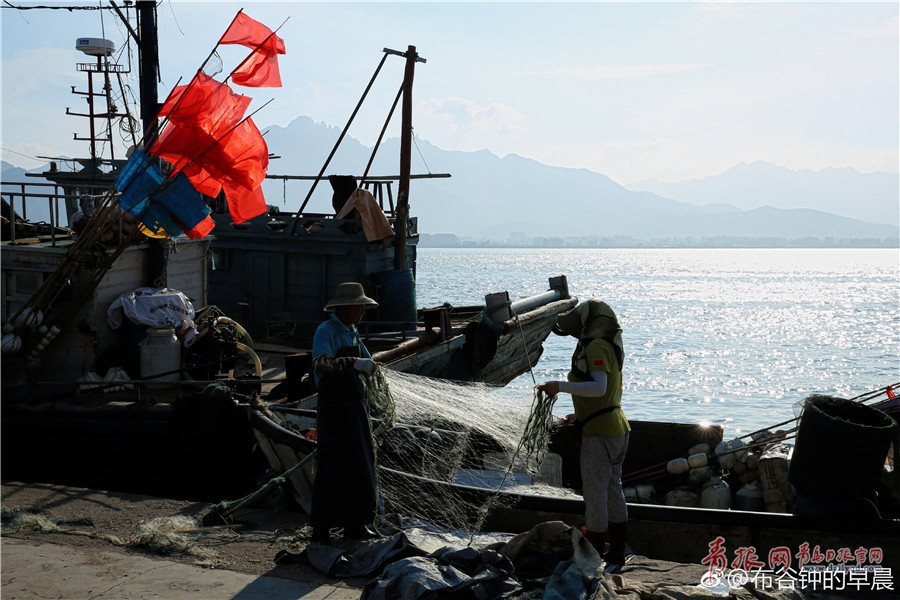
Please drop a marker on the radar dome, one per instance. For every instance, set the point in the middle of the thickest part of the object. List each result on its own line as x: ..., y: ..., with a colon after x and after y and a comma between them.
x: 95, y: 46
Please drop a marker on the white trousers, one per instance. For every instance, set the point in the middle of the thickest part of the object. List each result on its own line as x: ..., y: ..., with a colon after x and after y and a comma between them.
x: 601, y: 477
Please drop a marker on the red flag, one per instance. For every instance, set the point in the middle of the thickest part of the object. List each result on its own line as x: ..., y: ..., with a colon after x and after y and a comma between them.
x: 890, y: 392
x: 241, y: 156
x: 205, y: 102
x: 204, y: 181
x: 251, y: 33
x: 207, y: 140
x: 260, y: 69
x: 236, y: 163
x: 243, y: 203
x: 199, y: 230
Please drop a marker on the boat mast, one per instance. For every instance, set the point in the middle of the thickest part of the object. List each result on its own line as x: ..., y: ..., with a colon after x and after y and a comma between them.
x: 406, y: 132
x: 147, y: 42
x: 149, y: 64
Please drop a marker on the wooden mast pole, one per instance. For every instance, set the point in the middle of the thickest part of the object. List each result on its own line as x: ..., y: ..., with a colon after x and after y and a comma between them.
x: 406, y: 132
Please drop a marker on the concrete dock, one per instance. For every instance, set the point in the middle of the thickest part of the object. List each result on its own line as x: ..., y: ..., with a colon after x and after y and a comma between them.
x: 41, y: 571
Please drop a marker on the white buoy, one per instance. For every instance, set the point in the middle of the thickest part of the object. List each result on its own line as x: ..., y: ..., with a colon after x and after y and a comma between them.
x: 19, y: 321
x: 730, y: 452
x: 33, y: 319
x: 699, y: 475
x: 644, y: 491
x: 677, y: 466
x: 11, y: 343
x: 752, y: 461
x: 697, y: 460
x: 699, y: 448
x: 9, y: 328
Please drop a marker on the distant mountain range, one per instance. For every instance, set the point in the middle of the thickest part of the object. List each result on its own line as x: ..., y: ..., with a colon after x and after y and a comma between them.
x: 870, y: 197
x: 489, y: 197
x: 492, y: 198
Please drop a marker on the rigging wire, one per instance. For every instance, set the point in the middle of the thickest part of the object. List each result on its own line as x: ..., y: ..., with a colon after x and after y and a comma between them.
x: 35, y: 158
x: 427, y: 168
x: 54, y: 7
x: 172, y: 10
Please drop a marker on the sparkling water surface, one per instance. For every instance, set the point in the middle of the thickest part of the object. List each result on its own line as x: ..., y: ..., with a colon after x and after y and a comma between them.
x: 727, y: 336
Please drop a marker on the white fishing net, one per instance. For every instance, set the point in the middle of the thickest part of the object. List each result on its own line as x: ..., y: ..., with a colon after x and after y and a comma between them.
x: 466, y: 434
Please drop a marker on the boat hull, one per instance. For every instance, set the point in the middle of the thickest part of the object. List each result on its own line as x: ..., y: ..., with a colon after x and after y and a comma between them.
x: 672, y: 533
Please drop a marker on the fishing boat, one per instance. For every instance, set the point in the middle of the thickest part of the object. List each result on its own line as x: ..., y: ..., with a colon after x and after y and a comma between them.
x: 74, y: 388
x: 666, y: 532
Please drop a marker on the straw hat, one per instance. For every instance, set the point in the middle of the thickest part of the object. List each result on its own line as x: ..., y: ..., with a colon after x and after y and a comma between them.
x: 350, y: 293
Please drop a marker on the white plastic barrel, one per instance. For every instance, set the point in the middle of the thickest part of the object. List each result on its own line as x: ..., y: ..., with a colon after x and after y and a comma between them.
x: 160, y: 353
x: 715, y: 494
x: 749, y: 497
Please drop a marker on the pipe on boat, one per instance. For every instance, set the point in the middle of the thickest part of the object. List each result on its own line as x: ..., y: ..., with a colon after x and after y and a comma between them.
x: 426, y: 339
x: 237, y: 326
x: 523, y: 306
x: 257, y: 364
x: 499, y: 309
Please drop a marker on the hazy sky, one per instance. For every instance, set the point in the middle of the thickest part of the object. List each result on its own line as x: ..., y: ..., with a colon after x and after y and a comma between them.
x: 668, y: 91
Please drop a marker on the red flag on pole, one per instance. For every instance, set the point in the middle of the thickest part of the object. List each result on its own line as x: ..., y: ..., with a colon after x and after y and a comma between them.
x: 206, y: 137
x: 251, y: 33
x: 206, y: 102
x: 243, y: 203
x: 260, y: 69
x: 236, y: 161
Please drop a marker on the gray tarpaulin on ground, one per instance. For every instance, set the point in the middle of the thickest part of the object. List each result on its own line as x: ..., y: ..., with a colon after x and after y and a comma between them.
x: 553, y: 553
x: 466, y: 573
x: 369, y: 559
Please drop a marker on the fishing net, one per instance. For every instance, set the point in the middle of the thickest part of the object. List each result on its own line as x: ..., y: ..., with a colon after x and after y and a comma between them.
x: 445, y: 432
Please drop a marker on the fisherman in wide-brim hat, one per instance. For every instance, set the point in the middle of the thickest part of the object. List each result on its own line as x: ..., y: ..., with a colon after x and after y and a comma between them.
x: 350, y: 293
x: 344, y: 488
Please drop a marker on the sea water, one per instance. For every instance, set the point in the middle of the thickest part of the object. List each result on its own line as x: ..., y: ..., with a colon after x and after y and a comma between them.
x: 733, y: 337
